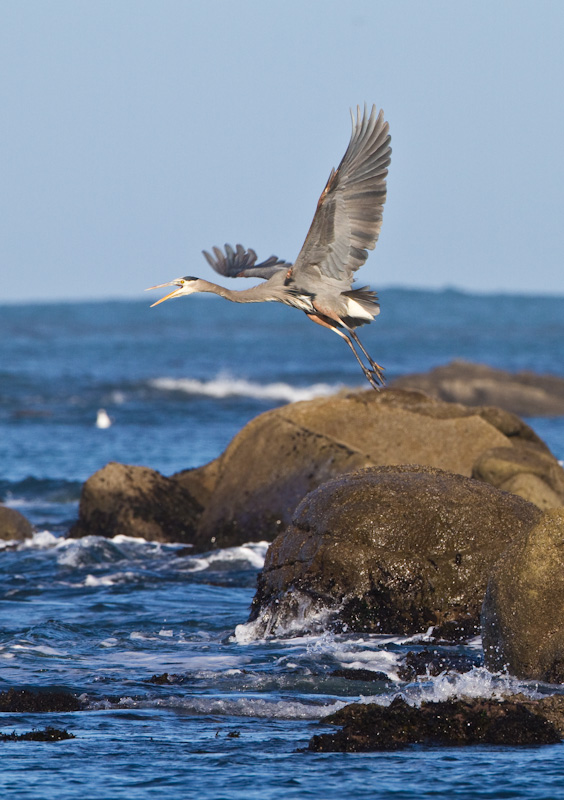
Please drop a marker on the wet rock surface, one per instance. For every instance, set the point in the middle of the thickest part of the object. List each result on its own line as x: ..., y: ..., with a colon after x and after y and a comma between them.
x: 433, y: 663
x: 389, y: 550
x: 453, y: 722
x: 13, y: 525
x: 522, y: 615
x: 136, y: 501
x: 523, y: 393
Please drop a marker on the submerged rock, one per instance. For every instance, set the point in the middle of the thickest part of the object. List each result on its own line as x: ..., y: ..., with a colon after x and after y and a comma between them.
x: 523, y: 393
x: 285, y: 453
x: 433, y: 663
x: 136, y: 501
x: 389, y: 550
x: 14, y: 525
x: 522, y: 615
x: 369, y: 727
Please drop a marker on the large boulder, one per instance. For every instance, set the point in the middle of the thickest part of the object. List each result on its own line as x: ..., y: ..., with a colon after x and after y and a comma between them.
x: 285, y: 453
x: 13, y: 525
x: 388, y: 550
x: 523, y: 612
x: 523, y: 393
x: 136, y: 501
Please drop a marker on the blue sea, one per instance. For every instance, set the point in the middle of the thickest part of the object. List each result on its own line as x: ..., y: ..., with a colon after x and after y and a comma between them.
x: 99, y: 617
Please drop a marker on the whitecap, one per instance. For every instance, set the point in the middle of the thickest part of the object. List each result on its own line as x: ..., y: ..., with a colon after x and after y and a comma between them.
x: 226, y: 386
x: 247, y: 706
x: 41, y: 540
x: 253, y: 553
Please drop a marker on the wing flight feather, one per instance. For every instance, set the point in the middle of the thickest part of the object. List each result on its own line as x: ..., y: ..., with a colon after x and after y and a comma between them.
x: 348, y: 218
x: 241, y: 263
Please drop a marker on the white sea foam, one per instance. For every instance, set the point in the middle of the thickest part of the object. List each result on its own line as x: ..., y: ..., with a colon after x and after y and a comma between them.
x: 284, y: 622
x: 44, y: 650
x: 252, y: 552
x: 246, y: 706
x: 42, y: 540
x: 226, y: 386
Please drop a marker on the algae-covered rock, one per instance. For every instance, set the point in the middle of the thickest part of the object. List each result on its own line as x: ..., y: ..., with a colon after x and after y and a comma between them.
x: 370, y: 727
x: 389, y: 550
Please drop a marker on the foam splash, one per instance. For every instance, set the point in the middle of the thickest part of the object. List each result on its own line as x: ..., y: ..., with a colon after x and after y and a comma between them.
x: 294, y: 615
x: 478, y: 683
x: 252, y: 553
x: 226, y: 386
x: 235, y: 706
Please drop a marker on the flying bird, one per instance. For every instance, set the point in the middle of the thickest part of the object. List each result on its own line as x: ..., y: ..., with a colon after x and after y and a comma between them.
x: 345, y: 226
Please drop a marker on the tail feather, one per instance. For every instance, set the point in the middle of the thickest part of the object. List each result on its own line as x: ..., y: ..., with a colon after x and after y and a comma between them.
x: 367, y: 299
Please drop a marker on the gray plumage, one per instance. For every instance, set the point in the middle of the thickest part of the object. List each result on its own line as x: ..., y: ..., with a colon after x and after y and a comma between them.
x: 345, y: 226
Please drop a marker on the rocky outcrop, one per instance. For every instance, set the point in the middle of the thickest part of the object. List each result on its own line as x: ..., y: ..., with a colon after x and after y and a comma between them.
x: 523, y: 393
x: 13, y: 525
x: 522, y: 617
x: 389, y: 550
x: 136, y: 501
x: 524, y: 469
x: 369, y: 727
x: 283, y: 454
x: 250, y: 491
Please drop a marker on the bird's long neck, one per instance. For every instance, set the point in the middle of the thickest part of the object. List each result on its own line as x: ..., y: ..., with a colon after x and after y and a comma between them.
x: 253, y: 295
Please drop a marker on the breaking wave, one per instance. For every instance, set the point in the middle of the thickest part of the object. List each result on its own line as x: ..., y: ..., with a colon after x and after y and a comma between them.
x: 226, y: 386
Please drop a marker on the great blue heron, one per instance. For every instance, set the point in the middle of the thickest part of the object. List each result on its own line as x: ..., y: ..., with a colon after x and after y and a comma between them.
x: 346, y: 224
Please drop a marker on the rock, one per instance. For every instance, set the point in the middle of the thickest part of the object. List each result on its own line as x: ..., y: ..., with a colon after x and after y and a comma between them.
x: 522, y: 623
x: 523, y: 393
x: 370, y: 727
x: 388, y: 550
x: 50, y: 734
x: 285, y: 453
x: 14, y: 525
x: 136, y: 501
x: 38, y: 700
x: 434, y: 662
x: 199, y: 482
x: 524, y: 469
x: 365, y: 675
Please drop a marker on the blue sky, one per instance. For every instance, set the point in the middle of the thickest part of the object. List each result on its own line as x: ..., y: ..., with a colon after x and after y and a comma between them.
x: 137, y: 133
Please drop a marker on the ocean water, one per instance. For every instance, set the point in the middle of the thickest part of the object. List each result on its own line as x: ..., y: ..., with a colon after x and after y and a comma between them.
x: 101, y: 617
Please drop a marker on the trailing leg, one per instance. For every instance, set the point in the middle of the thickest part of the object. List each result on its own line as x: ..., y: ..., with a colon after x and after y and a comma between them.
x: 374, y: 374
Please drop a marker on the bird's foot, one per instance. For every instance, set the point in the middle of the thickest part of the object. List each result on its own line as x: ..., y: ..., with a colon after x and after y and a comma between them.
x: 374, y: 376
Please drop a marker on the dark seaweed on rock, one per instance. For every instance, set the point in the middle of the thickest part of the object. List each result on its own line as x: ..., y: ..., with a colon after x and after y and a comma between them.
x: 48, y: 734
x: 452, y: 722
x: 38, y: 701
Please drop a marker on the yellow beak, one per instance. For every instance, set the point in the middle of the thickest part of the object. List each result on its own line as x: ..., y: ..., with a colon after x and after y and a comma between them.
x: 167, y: 296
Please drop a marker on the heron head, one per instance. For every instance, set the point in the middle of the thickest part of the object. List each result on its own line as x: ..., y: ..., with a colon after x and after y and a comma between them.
x: 186, y: 285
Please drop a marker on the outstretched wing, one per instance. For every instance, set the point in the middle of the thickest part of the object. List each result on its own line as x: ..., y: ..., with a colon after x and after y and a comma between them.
x: 240, y: 263
x: 349, y: 212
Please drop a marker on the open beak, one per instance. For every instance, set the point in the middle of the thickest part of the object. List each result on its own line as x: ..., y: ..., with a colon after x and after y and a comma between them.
x: 167, y: 296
